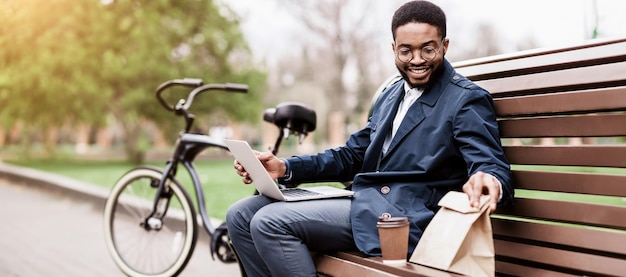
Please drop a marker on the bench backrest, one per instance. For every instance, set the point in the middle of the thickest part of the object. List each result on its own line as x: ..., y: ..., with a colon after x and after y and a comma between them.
x: 562, y: 118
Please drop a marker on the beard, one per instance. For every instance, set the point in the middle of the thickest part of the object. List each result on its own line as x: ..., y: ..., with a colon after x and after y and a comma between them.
x: 435, y: 75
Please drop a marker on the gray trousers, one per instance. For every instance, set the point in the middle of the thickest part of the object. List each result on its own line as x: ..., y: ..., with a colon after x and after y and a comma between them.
x: 273, y: 238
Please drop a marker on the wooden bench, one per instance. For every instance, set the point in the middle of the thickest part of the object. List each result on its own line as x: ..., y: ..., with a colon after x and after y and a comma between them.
x: 562, y: 118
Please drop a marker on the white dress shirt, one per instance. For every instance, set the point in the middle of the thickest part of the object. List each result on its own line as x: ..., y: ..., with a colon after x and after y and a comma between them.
x: 410, y: 95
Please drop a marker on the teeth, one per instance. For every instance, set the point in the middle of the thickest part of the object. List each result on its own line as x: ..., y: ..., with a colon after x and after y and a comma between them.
x: 418, y: 71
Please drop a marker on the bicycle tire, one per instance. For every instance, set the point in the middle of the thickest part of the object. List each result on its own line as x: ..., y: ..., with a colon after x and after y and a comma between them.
x: 136, y: 250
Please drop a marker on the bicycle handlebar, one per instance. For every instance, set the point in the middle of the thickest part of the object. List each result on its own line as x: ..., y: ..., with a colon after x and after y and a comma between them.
x: 186, y: 82
x: 198, y: 86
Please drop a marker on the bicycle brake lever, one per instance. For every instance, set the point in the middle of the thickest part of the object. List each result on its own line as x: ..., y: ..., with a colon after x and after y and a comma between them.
x: 180, y: 104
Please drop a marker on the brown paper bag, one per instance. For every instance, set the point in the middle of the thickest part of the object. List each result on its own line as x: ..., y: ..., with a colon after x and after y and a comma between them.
x: 459, y: 238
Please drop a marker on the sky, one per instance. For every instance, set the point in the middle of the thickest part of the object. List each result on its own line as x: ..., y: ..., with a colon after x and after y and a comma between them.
x: 268, y: 26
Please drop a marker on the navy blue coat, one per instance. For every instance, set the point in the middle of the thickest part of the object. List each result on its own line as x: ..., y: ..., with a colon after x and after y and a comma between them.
x: 448, y: 134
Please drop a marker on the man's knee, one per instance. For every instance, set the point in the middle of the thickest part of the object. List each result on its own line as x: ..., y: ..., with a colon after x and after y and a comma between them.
x: 268, y: 222
x: 235, y: 217
x: 261, y: 224
x: 240, y: 214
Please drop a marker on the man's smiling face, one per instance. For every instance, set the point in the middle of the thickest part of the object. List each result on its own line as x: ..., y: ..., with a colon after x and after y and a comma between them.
x: 414, y: 37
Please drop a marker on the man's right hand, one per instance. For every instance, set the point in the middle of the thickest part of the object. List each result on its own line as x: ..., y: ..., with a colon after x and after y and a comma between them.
x: 274, y: 166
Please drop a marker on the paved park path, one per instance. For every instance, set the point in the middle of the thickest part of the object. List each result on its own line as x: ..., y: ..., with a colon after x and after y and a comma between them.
x: 51, y: 232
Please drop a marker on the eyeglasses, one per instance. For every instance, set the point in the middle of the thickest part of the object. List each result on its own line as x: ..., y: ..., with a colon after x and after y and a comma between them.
x: 427, y: 53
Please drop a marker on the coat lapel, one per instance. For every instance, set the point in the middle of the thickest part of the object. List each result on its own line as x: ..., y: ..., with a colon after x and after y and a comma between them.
x: 413, y: 117
x: 383, y: 127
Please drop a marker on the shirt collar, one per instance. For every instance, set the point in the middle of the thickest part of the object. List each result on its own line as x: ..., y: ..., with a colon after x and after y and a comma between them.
x: 407, y: 88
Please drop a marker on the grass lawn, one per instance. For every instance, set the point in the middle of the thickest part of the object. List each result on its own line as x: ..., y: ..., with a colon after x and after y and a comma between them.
x: 608, y: 200
x: 221, y: 185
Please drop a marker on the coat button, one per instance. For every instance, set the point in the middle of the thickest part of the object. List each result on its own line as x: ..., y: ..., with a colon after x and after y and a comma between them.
x: 385, y: 189
x: 386, y: 216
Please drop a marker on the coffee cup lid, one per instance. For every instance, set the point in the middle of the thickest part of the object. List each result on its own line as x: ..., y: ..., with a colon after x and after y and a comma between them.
x: 392, y: 221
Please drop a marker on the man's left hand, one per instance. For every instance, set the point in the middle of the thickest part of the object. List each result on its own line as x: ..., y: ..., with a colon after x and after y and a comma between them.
x: 482, y: 183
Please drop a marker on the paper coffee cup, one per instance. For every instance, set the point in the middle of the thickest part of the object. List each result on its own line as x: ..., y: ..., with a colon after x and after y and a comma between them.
x: 393, y: 233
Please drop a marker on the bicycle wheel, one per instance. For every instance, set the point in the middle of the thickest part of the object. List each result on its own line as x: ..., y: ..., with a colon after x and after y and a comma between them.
x: 152, y: 247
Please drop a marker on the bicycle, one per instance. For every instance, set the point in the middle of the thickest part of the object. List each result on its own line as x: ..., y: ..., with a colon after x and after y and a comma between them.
x: 156, y: 236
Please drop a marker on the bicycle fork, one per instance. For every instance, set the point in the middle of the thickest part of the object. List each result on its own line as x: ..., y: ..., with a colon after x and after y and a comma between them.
x: 154, y: 221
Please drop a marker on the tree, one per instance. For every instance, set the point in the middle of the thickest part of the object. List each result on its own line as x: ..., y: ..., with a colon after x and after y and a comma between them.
x: 45, y: 81
x: 344, y: 41
x: 78, y: 61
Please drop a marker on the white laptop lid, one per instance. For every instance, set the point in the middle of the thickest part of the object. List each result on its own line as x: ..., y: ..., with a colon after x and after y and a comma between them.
x: 264, y: 183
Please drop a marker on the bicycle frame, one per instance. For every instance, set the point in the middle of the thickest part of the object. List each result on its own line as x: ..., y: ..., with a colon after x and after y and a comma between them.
x: 188, y: 146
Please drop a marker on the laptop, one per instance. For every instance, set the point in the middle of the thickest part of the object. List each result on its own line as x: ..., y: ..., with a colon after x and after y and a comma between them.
x: 265, y: 185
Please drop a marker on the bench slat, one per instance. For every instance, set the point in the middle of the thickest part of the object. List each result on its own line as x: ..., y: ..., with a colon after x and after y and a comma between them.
x: 410, y: 269
x: 562, y: 80
x: 608, y: 216
x: 572, y: 182
x: 332, y: 266
x: 520, y: 270
x: 568, y: 155
x: 595, y: 100
x: 582, y: 262
x: 595, y: 239
x: 539, y: 60
x: 573, y: 126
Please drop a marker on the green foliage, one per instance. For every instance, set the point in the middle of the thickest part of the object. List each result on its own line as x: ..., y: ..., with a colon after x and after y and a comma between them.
x: 79, y: 61
x: 41, y: 50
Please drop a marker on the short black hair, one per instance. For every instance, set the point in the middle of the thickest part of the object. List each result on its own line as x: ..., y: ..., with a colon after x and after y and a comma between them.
x: 419, y: 11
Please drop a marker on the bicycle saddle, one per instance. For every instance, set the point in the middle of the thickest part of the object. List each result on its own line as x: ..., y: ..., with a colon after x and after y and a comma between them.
x: 294, y: 116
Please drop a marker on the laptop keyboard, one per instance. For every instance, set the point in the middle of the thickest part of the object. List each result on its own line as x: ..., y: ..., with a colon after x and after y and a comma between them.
x: 298, y: 192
